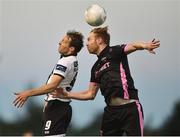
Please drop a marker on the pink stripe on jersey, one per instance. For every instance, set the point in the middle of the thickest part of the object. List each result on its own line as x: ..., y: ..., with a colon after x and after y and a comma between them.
x: 140, y: 117
x: 124, y: 82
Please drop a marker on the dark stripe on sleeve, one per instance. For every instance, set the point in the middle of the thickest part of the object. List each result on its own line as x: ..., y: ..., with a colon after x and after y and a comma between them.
x: 59, y: 75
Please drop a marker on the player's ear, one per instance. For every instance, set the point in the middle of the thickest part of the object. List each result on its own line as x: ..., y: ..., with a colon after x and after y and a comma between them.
x: 72, y: 49
x: 99, y: 40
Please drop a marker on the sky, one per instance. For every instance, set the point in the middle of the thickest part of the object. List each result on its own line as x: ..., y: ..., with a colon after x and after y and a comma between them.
x: 30, y: 31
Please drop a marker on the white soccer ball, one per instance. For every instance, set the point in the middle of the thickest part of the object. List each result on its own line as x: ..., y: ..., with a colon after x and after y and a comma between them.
x: 95, y: 15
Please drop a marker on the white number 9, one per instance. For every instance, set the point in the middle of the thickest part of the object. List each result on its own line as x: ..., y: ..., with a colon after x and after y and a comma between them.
x: 48, y: 124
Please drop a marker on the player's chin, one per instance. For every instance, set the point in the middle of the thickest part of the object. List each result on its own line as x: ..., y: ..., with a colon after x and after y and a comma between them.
x: 91, y: 51
x: 60, y: 52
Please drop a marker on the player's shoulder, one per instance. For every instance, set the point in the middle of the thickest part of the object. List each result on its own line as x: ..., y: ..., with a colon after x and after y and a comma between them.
x: 117, y: 47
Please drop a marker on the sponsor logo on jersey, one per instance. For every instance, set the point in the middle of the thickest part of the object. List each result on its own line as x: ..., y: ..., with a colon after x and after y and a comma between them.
x: 61, y: 67
x: 105, y: 66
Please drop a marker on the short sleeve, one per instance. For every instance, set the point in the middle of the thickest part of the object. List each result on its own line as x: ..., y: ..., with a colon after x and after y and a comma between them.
x: 62, y: 67
x: 118, y: 51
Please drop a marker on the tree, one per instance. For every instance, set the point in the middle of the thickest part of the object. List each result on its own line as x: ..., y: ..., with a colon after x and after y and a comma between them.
x: 93, y: 129
x: 170, y: 127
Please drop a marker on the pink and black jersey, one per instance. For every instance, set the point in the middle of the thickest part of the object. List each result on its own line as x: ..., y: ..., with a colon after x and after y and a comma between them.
x: 111, y: 71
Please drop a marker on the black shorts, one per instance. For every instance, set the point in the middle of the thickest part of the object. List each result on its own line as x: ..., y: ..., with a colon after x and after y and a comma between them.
x: 125, y: 119
x: 57, y: 117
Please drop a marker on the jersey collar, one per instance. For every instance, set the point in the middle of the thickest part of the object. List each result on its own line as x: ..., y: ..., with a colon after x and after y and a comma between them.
x: 68, y: 55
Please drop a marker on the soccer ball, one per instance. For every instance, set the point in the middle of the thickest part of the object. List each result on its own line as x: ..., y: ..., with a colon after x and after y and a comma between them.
x: 95, y: 15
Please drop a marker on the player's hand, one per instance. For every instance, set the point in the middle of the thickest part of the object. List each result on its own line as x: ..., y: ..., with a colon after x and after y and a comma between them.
x: 150, y: 46
x: 20, y: 99
x: 60, y: 93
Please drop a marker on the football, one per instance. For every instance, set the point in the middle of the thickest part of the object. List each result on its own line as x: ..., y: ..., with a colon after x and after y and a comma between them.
x: 95, y: 15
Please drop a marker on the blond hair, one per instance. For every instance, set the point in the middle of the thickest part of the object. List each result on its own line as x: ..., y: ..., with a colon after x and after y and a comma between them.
x: 103, y: 33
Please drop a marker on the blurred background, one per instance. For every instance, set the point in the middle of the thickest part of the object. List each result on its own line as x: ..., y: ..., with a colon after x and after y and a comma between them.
x: 29, y: 34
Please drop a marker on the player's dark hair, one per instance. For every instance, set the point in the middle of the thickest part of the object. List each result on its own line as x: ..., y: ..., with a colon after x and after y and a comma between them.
x: 103, y: 33
x: 76, y: 40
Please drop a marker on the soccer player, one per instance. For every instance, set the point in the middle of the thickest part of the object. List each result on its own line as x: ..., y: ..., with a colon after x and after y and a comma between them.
x: 58, y: 111
x: 123, y: 112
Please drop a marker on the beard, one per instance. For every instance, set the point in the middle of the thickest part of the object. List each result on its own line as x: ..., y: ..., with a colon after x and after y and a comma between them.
x: 91, y: 51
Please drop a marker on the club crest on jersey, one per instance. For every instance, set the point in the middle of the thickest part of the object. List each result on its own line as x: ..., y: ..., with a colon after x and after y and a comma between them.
x: 61, y: 67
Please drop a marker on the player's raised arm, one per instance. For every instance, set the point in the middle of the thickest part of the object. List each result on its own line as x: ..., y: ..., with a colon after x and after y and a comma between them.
x: 150, y: 46
x: 88, y: 94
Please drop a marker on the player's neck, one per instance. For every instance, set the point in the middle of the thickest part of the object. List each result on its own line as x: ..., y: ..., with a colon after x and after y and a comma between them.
x: 101, y: 48
x: 69, y: 54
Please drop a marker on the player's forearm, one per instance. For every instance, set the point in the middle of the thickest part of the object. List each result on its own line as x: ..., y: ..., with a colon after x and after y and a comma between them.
x: 131, y: 47
x: 138, y: 45
x: 42, y: 90
x: 84, y: 95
